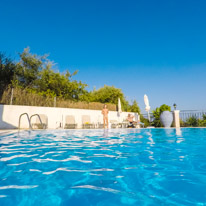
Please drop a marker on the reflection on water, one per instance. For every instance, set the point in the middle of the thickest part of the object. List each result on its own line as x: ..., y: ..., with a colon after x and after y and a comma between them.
x: 178, y: 132
x: 103, y: 167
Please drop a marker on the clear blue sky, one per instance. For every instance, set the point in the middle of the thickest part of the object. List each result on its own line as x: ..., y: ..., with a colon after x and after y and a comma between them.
x: 152, y: 47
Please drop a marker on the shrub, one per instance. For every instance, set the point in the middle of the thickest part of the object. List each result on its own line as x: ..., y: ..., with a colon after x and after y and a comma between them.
x: 182, y: 123
x: 202, y: 122
x: 23, y: 97
x: 145, y: 121
x: 191, y: 122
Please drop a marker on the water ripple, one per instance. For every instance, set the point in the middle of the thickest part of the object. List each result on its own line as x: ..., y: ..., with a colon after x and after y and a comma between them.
x: 97, y: 188
x: 18, y: 187
x: 16, y: 156
x: 73, y: 158
x: 103, y: 167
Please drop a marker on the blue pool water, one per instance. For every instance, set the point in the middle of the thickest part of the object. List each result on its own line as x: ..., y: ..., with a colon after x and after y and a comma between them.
x: 144, y: 167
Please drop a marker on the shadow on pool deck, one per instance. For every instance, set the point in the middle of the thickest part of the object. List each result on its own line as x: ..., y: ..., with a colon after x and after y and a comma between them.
x: 4, y: 125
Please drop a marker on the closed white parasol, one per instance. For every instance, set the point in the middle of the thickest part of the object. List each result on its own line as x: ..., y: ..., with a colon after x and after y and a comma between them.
x: 119, y: 106
x: 147, y: 107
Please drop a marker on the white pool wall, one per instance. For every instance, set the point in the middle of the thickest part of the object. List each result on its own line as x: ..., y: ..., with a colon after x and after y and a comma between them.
x: 9, y: 116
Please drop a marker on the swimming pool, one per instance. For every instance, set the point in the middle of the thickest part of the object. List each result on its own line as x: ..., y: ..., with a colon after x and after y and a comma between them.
x: 103, y: 167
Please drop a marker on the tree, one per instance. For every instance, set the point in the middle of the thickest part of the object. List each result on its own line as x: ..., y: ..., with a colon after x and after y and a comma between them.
x: 7, y: 69
x: 109, y: 94
x: 36, y: 74
x: 28, y: 69
x: 53, y: 83
x: 134, y: 107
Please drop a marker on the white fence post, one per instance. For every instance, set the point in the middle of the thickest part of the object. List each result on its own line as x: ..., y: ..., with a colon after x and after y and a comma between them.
x: 55, y: 101
x: 12, y: 93
x: 176, y: 115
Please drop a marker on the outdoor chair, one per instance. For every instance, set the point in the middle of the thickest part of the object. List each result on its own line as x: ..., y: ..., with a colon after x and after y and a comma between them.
x: 44, y: 121
x: 141, y: 124
x: 86, y: 122
x: 100, y: 125
x: 70, y: 122
x: 114, y: 124
x: 124, y: 124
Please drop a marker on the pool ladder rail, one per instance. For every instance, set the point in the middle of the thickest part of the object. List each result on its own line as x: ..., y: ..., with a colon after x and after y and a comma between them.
x: 29, y: 120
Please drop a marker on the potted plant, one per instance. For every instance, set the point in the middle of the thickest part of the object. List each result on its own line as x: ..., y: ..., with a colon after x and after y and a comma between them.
x: 162, y: 116
x: 166, y: 117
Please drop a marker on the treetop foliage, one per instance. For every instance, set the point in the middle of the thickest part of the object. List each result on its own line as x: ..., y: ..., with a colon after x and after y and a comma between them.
x: 7, y: 68
x: 36, y: 74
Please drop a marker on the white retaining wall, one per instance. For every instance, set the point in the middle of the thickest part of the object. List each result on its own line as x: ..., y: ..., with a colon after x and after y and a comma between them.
x: 9, y: 116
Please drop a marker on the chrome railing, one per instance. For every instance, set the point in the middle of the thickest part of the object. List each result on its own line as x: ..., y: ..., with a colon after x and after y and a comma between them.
x: 42, y: 125
x: 29, y: 121
x: 30, y: 127
x: 185, y: 114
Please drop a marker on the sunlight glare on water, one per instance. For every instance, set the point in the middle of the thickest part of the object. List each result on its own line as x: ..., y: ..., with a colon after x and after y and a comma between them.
x: 144, y: 167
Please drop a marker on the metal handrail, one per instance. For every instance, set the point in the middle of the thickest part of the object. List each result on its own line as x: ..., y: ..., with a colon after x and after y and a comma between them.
x: 30, y: 127
x: 39, y: 119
